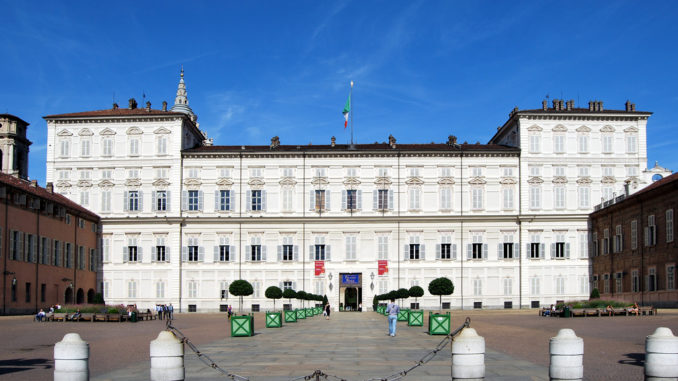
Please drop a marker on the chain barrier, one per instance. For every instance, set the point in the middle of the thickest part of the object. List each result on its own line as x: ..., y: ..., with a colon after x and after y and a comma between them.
x: 319, y: 374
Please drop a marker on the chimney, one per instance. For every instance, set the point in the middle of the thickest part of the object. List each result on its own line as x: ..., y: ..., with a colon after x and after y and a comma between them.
x: 148, y: 106
x: 392, y: 141
x: 544, y: 105
x: 627, y: 183
x: 561, y: 104
x: 590, y: 105
x: 49, y: 187
x: 451, y: 140
x: 633, y: 107
x: 275, y: 142
x: 627, y: 106
x: 115, y: 106
x: 164, y: 105
x: 34, y: 183
x: 555, y: 104
x: 570, y: 105
x: 334, y: 141
x: 600, y: 105
x: 132, y: 103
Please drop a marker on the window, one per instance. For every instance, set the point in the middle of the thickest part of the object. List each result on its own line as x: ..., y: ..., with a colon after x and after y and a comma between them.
x: 671, y: 277
x: 224, y: 252
x: 161, y: 173
x: 606, y: 241
x: 84, y: 198
x: 132, y: 289
x: 192, y: 289
x: 559, y: 197
x: 618, y: 239
x: 415, y: 172
x: 560, y: 285
x: 106, y: 201
x: 161, y: 201
x: 255, y: 172
x: 319, y: 201
x: 560, y: 248
x: 131, y: 251
x: 351, y: 172
x: 445, y: 248
x: 255, y: 252
x: 352, y: 199
x: 44, y: 248
x: 351, y: 247
x: 477, y: 250
x: 65, y: 148
x: 534, y: 285
x: 476, y: 198
x: 535, y: 248
x: 288, y: 285
x: 318, y: 250
x: 583, y: 143
x: 64, y: 174
x: 223, y: 200
x: 30, y: 247
x: 383, y: 172
x: 320, y: 172
x: 631, y: 143
x: 162, y: 145
x: 193, y: 173
x: 476, y: 171
x: 584, y: 171
x: 288, y: 199
x: 608, y: 171
x: 414, y: 248
x: 445, y: 198
x: 193, y: 200
x: 477, y: 287
x: 287, y: 172
x: 160, y: 289
x: 160, y: 250
x: 81, y: 257
x: 596, y: 251
x: 134, y: 147
x: 193, y: 250
x: 506, y: 248
x: 43, y: 292
x: 287, y: 249
x: 223, y: 286
x: 92, y: 260
x: 85, y: 147
x: 415, y: 198
x: 607, y: 143
x: 445, y: 172
x: 508, y: 286
x: 133, y: 201
x: 618, y: 283
x: 635, y: 281
x: 507, y: 202
x: 559, y: 170
x: 382, y: 247
x: 256, y: 200
x: 584, y: 197
x: 634, y: 235
x: 669, y: 225
x: 534, y: 143
x: 650, y: 232
x: 508, y: 171
x: 107, y: 147
x: 68, y: 256
x: 583, y: 244
x: 383, y: 197
x: 535, y: 197
x: 652, y: 279
x: 559, y: 143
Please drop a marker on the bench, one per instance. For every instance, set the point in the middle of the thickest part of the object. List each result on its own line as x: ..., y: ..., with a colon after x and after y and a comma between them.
x: 113, y: 317
x: 58, y: 316
x: 99, y: 317
x: 647, y: 310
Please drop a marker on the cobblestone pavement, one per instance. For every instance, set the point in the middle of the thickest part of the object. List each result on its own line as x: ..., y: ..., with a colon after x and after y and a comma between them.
x: 351, y: 345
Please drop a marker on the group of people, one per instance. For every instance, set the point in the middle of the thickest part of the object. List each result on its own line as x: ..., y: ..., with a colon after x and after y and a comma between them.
x: 42, y: 315
x: 165, y: 311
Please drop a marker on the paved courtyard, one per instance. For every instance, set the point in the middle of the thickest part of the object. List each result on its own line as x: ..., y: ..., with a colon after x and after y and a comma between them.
x: 353, y: 346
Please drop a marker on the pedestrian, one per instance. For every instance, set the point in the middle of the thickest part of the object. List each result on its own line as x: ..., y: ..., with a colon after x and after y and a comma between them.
x: 230, y: 312
x: 327, y: 311
x: 170, y: 310
x: 392, y: 310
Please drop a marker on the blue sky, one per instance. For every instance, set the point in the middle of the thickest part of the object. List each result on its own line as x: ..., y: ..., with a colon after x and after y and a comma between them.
x: 423, y: 69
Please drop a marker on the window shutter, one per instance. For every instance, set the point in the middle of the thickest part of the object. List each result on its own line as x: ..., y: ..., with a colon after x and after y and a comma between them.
x: 390, y: 200
x: 469, y: 251
x: 343, y: 200
x: 296, y: 252
x: 437, y: 251
x: 141, y: 201
x: 500, y: 251
x: 553, y: 250
x: 184, y: 200
x: 231, y: 197
x: 232, y: 253
x: 140, y: 254
x: 310, y: 252
x: 294, y: 285
x: 167, y: 254
x: 11, y: 241
x: 327, y: 199
x: 485, y: 250
x: 422, y: 252
x: 125, y: 254
x: 126, y: 201
x: 375, y: 199
x: 280, y: 258
x: 454, y: 251
x: 184, y: 254
x: 567, y: 250
x: 263, y: 253
x: 542, y: 251
x: 280, y: 285
x: 154, y: 255
x: 516, y: 250
x: 359, y: 199
x: 201, y: 199
x: 406, y: 252
x: 654, y: 236
x: 154, y: 201
x: 168, y: 197
x: 263, y: 200
x: 311, y: 198
x: 216, y: 253
x: 249, y: 200
x: 216, y: 201
x: 248, y: 253
x: 328, y: 253
x: 527, y: 251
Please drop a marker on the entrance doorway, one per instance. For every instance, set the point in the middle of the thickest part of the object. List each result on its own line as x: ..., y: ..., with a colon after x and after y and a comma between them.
x: 350, y: 291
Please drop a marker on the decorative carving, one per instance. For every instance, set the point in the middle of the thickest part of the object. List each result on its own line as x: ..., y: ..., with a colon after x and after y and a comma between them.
x: 382, y: 182
x: 446, y: 181
x: 134, y: 131
x: 63, y: 184
x: 161, y: 183
x: 584, y: 180
x: 192, y: 182
x: 288, y: 181
x: 535, y: 180
x: 508, y: 180
x: 583, y: 129
x: 224, y: 182
x: 107, y: 131
x: 608, y: 180
x: 630, y: 129
x: 320, y: 181
x: 162, y: 130
x: 534, y: 127
x: 133, y: 182
x: 85, y: 132
x: 477, y: 181
x: 106, y: 184
x: 414, y: 181
x: 84, y: 183
x: 256, y: 183
x: 560, y: 180
x: 559, y: 128
x: 607, y: 128
x: 64, y: 133
x: 351, y: 182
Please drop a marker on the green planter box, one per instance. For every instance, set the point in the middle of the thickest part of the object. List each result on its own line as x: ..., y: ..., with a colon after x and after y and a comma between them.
x: 273, y: 319
x: 318, y: 310
x: 301, y: 314
x: 404, y: 314
x: 309, y: 312
x: 242, y: 326
x: 439, y: 324
x: 291, y: 316
x: 416, y: 318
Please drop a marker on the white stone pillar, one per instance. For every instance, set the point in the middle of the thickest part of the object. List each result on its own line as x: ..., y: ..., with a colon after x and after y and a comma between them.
x: 661, y: 355
x: 167, y: 358
x: 567, y: 356
x: 71, y: 359
x: 468, y: 356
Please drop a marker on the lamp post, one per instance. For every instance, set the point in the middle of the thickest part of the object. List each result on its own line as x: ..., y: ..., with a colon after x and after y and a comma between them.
x: 329, y: 276
x: 372, y: 283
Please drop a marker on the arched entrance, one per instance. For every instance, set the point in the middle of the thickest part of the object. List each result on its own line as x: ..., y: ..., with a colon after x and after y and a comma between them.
x: 80, y: 297
x: 350, y: 291
x: 68, y: 296
x: 90, y: 296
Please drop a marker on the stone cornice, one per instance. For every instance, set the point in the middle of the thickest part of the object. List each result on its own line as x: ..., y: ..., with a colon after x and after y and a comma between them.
x: 584, y: 117
x: 116, y: 119
x: 344, y: 154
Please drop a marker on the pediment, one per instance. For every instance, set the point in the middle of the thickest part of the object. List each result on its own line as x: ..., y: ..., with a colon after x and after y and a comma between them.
x: 607, y: 129
x: 320, y: 181
x: 382, y: 182
x: 224, y: 182
x: 584, y: 180
x: 133, y: 182
x: 64, y: 133
x: 85, y: 132
x: 162, y: 130
x: 535, y: 128
x: 351, y: 181
x: 508, y: 180
x: 192, y: 182
x: 560, y: 180
x: 583, y: 129
x: 414, y: 181
x: 134, y: 131
x: 106, y: 184
x: 288, y: 181
x: 559, y: 128
x: 63, y: 184
x: 446, y: 181
x: 477, y: 181
x: 107, y: 131
x: 608, y: 180
x: 84, y: 183
x: 630, y: 129
x: 535, y: 180
x: 161, y: 183
x: 257, y: 182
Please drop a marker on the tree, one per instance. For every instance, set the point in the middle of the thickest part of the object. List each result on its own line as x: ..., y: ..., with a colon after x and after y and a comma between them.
x: 392, y: 295
x: 416, y: 292
x: 403, y: 294
x: 441, y: 286
x: 289, y: 293
x: 241, y: 288
x: 274, y: 292
x: 595, y: 294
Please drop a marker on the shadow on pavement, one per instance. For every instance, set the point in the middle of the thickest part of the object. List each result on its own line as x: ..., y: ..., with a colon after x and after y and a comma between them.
x: 21, y: 365
x: 637, y: 359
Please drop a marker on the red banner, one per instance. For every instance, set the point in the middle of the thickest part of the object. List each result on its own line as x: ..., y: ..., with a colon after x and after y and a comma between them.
x: 383, y: 266
x: 319, y: 267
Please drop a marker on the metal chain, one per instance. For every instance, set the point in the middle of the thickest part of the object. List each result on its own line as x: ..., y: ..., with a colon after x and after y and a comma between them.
x: 318, y: 374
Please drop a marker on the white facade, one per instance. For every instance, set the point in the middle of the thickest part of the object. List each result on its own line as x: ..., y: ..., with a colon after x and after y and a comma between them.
x: 506, y: 221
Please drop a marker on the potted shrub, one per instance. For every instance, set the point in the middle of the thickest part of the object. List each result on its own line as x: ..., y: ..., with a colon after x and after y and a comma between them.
x: 240, y: 288
x: 274, y: 293
x: 403, y: 293
x: 416, y: 292
x: 289, y: 293
x: 441, y: 286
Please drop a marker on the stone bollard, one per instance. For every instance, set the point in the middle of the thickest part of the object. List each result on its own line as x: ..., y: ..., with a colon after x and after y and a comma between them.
x: 71, y: 359
x: 468, y: 356
x: 661, y: 355
x: 567, y: 356
x: 167, y: 358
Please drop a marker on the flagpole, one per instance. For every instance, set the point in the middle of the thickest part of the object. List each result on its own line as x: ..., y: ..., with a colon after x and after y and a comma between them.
x: 351, y: 111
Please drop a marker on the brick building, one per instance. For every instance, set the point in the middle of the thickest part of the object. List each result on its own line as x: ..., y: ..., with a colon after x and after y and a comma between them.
x: 634, y: 251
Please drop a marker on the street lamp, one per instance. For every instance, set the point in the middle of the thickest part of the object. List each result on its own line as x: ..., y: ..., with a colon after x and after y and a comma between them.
x: 329, y: 276
x: 372, y: 284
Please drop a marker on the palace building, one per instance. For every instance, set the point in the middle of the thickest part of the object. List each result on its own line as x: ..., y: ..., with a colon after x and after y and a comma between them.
x: 506, y: 221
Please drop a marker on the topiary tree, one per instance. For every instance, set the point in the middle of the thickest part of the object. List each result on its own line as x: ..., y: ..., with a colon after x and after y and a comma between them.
x: 416, y: 292
x: 595, y: 294
x: 241, y: 288
x: 402, y: 294
x: 441, y: 286
x: 392, y: 295
x: 274, y: 292
x: 289, y: 294
x: 301, y: 295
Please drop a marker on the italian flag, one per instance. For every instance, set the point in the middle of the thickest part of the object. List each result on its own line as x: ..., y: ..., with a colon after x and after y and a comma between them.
x: 347, y: 110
